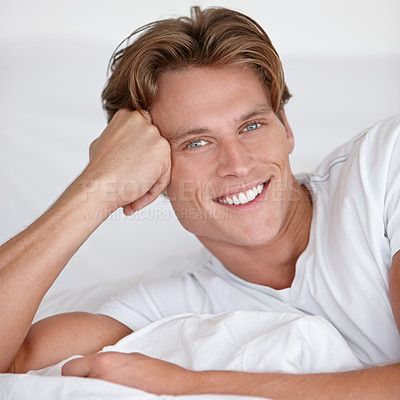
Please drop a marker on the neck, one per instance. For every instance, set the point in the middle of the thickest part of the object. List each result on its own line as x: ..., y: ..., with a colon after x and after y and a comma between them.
x: 272, y: 264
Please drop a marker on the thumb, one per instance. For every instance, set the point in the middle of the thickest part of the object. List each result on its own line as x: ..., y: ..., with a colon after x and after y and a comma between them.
x: 77, y: 367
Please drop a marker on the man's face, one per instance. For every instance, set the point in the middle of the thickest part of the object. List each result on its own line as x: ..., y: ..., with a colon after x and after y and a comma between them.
x: 230, y: 181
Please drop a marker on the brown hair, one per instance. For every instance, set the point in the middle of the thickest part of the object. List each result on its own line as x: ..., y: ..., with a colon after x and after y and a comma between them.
x: 210, y: 37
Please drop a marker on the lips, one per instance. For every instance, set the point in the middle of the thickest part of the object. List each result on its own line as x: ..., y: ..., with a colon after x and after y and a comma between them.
x: 241, y: 197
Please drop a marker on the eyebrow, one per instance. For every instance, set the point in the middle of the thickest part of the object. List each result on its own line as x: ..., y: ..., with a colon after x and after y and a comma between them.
x: 180, y: 135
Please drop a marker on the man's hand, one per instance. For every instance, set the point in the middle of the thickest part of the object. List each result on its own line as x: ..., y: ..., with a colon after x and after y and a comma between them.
x: 130, y: 163
x: 134, y: 370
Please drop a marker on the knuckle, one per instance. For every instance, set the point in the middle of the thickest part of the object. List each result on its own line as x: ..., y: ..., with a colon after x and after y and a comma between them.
x: 123, y: 112
x: 138, y: 117
x: 164, y: 145
x: 134, y: 115
x: 152, y: 130
x: 103, y: 361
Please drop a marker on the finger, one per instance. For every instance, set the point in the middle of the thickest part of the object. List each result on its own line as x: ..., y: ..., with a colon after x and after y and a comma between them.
x: 77, y: 367
x: 142, y: 202
x: 128, y: 209
x: 152, y: 194
x: 149, y: 196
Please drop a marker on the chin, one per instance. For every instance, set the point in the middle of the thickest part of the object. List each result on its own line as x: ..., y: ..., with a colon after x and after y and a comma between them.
x: 258, y: 234
x: 224, y: 229
x: 257, y: 240
x: 254, y: 237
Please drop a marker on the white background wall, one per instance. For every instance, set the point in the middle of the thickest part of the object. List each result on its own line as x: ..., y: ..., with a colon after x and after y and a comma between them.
x: 342, y: 63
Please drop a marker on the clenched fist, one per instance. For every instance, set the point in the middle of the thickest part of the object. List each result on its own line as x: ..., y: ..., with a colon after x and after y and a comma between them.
x: 130, y: 162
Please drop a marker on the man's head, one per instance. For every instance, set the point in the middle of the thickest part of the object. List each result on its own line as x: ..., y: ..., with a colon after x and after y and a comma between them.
x: 214, y: 87
x: 212, y: 37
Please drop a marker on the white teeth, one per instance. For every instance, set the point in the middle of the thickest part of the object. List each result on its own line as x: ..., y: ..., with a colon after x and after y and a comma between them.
x: 251, y: 194
x: 243, y: 198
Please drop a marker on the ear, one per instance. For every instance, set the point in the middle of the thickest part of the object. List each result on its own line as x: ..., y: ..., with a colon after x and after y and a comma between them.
x: 288, y: 129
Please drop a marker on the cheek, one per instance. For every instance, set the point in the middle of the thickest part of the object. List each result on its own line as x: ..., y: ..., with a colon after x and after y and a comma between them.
x: 191, y: 182
x: 181, y: 186
x: 185, y: 173
x: 277, y: 153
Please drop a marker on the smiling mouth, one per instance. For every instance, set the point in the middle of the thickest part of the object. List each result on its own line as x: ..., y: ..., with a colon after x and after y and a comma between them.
x: 242, y: 197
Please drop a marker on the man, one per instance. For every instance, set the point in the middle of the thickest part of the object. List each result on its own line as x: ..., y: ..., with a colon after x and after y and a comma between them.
x: 196, y: 110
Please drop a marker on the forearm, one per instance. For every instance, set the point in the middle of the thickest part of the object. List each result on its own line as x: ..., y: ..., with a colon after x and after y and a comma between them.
x: 32, y: 260
x: 372, y: 383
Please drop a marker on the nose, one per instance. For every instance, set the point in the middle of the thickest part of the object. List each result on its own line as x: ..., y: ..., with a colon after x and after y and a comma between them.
x: 234, y: 159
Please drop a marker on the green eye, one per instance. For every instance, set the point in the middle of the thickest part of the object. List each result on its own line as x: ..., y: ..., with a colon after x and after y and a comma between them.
x: 252, y: 127
x: 197, y: 143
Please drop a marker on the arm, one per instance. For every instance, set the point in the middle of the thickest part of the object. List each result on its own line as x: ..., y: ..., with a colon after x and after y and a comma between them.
x: 160, y: 377
x: 394, y: 288
x: 54, y: 339
x: 121, y: 173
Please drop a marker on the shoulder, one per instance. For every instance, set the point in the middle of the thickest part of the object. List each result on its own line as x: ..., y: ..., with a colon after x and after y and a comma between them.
x: 368, y: 146
x: 365, y: 159
x: 358, y: 184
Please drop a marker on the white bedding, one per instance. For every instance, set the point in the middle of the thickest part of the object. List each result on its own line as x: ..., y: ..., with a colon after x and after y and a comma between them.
x: 241, y: 341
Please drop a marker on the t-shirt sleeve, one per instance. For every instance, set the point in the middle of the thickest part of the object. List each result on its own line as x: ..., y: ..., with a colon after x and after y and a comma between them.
x: 392, y: 198
x: 152, y: 300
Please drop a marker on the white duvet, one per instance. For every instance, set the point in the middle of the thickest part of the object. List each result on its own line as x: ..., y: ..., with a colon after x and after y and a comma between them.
x: 242, y: 341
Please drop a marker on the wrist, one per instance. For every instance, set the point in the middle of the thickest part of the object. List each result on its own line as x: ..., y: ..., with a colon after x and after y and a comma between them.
x: 228, y: 383
x: 202, y: 382
x: 97, y: 198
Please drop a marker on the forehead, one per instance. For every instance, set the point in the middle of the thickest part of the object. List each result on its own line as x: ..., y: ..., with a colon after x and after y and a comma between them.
x: 206, y: 96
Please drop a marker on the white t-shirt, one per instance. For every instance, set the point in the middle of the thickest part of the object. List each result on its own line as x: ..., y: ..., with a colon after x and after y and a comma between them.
x: 343, y: 273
